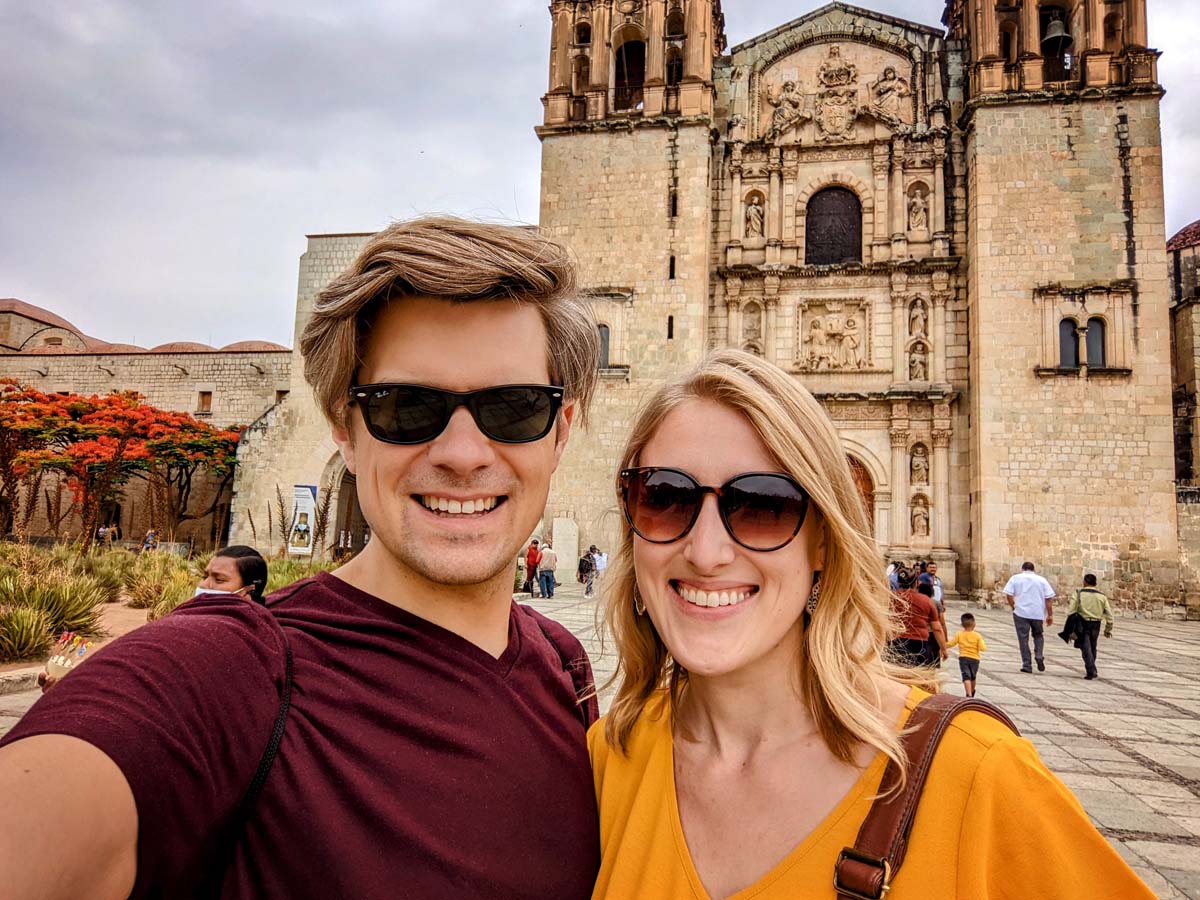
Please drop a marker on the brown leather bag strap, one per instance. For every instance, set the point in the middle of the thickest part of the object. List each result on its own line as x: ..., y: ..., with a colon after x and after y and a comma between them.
x: 865, y: 871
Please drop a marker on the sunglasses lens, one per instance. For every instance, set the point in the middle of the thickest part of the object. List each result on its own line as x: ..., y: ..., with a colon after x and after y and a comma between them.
x: 515, y: 415
x: 764, y: 512
x: 661, y: 504
x: 405, y: 414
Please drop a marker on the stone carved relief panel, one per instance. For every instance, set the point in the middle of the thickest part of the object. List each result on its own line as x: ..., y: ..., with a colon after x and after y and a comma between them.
x: 834, y: 336
x: 825, y: 93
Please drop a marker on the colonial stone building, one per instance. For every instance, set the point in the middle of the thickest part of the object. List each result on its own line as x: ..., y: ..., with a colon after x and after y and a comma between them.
x: 953, y: 236
x: 234, y: 385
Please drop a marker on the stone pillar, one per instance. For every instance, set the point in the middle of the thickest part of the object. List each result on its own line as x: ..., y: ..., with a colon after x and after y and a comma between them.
x: 733, y: 308
x: 899, y: 208
x: 939, y: 337
x: 882, y: 249
x: 601, y: 35
x: 560, y: 76
x: 883, y: 519
x: 1031, y: 34
x: 775, y: 209
x: 1095, y: 25
x: 696, y: 21
x: 771, y: 349
x: 900, y: 525
x: 941, y: 488
x: 1136, y: 34
x: 737, y: 206
x: 899, y: 337
x: 989, y: 33
x: 656, y: 66
x: 939, y: 187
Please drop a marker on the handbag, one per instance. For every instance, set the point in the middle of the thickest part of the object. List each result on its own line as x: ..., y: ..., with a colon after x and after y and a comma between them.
x: 865, y: 871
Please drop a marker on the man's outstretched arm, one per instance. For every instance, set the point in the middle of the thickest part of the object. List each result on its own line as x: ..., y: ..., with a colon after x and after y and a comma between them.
x: 68, y: 822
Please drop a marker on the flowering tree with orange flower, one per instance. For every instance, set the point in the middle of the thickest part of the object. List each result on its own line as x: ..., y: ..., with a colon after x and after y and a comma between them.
x: 98, y: 444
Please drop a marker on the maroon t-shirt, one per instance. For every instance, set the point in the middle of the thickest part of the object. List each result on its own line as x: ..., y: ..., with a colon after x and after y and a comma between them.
x: 413, y: 764
x: 917, y: 614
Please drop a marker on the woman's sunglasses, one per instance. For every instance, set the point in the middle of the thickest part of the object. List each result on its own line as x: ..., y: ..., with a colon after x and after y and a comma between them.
x: 416, y: 414
x: 761, y: 511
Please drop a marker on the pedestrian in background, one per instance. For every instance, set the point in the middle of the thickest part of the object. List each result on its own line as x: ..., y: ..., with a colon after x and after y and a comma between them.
x: 546, y: 566
x: 970, y: 645
x: 532, y: 555
x: 585, y: 573
x: 918, y: 617
x: 1092, y: 607
x: 1031, y: 598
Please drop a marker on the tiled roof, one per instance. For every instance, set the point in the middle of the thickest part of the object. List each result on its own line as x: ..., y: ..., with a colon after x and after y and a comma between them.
x: 254, y: 347
x: 29, y: 311
x: 1188, y: 237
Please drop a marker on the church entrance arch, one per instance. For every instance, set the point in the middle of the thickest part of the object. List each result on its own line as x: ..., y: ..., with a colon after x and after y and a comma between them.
x: 352, y: 529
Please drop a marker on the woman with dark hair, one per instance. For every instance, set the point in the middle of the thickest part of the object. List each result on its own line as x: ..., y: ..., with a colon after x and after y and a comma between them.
x: 235, y: 570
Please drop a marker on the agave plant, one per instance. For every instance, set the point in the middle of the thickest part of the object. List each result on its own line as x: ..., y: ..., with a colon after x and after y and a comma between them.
x: 70, y: 602
x: 24, y: 633
x: 177, y: 590
x: 282, y: 572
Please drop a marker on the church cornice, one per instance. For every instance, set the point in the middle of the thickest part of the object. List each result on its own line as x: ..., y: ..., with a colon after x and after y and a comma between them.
x: 824, y: 30
x: 1058, y: 95
x: 874, y: 270
x: 629, y: 125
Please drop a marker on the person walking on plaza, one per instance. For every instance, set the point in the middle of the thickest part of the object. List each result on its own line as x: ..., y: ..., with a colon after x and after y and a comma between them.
x: 546, y: 566
x: 930, y: 577
x: 398, y: 727
x: 1092, y: 607
x: 1031, y: 599
x: 585, y: 574
x: 970, y: 645
x: 532, y: 557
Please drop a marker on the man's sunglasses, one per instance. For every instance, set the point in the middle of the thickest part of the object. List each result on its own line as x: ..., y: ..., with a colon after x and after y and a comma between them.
x: 416, y: 414
x: 761, y: 511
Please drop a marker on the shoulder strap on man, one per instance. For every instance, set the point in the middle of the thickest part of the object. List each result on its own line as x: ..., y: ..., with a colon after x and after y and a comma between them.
x: 576, y: 667
x: 865, y: 871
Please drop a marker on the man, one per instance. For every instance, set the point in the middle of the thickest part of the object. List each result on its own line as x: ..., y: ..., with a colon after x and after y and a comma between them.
x: 918, y: 619
x: 1031, y: 599
x: 546, y: 566
x: 930, y: 577
x: 1092, y: 607
x: 532, y: 557
x: 601, y: 562
x: 430, y: 738
x: 585, y: 573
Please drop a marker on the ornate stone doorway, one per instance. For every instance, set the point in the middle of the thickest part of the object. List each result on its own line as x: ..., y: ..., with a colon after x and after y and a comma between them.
x: 866, y: 488
x: 352, y: 529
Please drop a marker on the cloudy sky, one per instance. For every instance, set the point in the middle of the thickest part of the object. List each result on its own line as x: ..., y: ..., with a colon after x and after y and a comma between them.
x: 161, y: 161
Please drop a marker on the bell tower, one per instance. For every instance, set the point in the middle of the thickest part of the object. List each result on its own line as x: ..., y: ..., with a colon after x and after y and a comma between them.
x: 627, y: 143
x: 1068, y: 303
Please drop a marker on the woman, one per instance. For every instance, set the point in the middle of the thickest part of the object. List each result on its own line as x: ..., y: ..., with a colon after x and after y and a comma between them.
x: 755, y: 712
x: 235, y: 570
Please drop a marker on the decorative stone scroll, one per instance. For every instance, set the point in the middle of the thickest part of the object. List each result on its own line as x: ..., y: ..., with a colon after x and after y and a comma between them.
x: 834, y: 336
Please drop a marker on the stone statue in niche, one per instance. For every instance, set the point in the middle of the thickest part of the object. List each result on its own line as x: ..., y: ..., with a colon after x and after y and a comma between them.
x: 754, y: 217
x: 920, y: 519
x: 752, y: 322
x: 919, y: 468
x: 888, y: 94
x: 835, y: 71
x: 918, y: 364
x: 820, y: 355
x: 918, y: 212
x: 789, y: 110
x: 917, y: 319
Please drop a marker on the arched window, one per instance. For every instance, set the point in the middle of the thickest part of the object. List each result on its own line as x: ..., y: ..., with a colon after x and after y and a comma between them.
x: 1056, y: 42
x: 605, y: 339
x: 1095, y: 344
x: 674, y: 67
x: 583, y: 33
x: 630, y: 65
x: 675, y: 25
x: 1008, y: 43
x: 833, y: 228
x: 1068, y: 344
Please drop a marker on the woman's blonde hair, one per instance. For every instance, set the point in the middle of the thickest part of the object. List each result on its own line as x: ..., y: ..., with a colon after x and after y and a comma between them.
x: 461, y: 261
x: 842, y: 663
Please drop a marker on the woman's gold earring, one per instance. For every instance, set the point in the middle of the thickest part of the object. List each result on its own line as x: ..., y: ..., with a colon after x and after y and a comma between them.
x: 638, y: 606
x: 815, y: 596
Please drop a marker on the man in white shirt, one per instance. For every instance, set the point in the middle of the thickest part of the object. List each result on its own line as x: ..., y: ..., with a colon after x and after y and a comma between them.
x: 1031, y: 599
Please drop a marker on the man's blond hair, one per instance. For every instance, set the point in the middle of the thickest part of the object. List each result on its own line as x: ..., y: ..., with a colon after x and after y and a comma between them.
x: 458, y: 261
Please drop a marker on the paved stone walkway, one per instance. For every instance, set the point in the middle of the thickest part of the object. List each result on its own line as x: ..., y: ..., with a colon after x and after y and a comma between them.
x: 1128, y: 744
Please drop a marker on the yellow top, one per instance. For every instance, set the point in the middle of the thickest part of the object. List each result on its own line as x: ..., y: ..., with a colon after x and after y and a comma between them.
x: 970, y: 644
x: 994, y: 823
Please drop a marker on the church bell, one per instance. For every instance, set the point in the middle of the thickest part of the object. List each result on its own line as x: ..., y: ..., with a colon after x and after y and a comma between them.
x: 1057, y: 41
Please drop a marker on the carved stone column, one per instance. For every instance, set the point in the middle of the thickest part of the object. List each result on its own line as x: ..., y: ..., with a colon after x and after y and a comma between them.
x: 882, y: 249
x: 941, y: 488
x: 601, y: 34
x: 989, y: 34
x: 900, y: 532
x: 737, y: 230
x: 656, y: 19
x: 899, y: 337
x: 1135, y: 23
x: 1031, y: 37
x: 560, y: 77
x: 939, y: 336
x: 899, y: 207
x: 775, y: 208
x: 941, y: 243
x: 883, y: 519
x: 697, y: 40
x: 733, y: 308
x: 771, y: 301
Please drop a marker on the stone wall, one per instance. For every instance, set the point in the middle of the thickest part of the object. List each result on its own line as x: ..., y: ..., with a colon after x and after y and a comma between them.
x: 1074, y: 467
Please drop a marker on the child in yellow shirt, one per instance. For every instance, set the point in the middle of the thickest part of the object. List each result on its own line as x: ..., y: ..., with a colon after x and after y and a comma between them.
x: 970, y: 644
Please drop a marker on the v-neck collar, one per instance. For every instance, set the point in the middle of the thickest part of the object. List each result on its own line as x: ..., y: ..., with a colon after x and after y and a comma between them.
x: 867, y: 783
